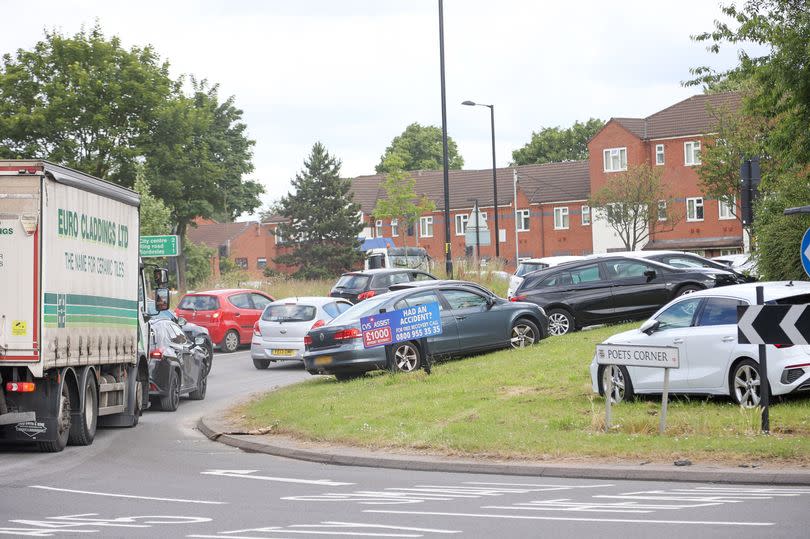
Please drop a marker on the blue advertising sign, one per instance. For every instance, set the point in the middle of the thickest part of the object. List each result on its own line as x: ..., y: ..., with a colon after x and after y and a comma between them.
x: 805, y: 252
x: 406, y: 324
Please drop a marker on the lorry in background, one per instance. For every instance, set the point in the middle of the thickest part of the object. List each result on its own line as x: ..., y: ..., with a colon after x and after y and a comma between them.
x: 73, y: 322
x: 397, y: 257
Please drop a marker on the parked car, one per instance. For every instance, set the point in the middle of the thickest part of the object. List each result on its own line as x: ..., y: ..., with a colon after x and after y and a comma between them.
x: 703, y: 326
x: 472, y: 321
x: 228, y: 315
x: 740, y: 263
x: 176, y: 366
x: 196, y: 334
x: 279, y: 333
x: 359, y: 285
x: 533, y: 264
x: 611, y: 288
x: 679, y: 259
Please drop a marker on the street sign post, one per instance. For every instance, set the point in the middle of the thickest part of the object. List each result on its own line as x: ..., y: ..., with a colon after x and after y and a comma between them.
x: 159, y: 246
x: 408, y: 324
x: 804, y: 252
x: 662, y: 357
x: 754, y: 328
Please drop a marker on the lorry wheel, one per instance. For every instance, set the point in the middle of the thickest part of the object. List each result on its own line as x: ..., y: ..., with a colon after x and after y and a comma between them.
x: 62, y: 425
x: 231, y: 342
x: 83, y: 429
x: 171, y: 401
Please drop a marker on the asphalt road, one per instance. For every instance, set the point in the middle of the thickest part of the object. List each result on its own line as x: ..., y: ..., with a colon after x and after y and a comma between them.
x: 164, y: 479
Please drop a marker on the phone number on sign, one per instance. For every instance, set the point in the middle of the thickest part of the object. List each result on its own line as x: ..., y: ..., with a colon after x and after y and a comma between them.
x: 417, y: 333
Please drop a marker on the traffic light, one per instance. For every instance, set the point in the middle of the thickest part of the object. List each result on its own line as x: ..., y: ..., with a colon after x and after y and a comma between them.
x: 750, y: 177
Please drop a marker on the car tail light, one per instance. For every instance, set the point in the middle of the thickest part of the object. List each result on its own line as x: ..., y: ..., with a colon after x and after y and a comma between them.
x: 21, y: 387
x: 318, y: 324
x: 783, y: 345
x: 157, y: 353
x: 348, y: 334
x: 307, y: 339
x: 257, y: 330
x: 517, y: 298
x: 365, y: 295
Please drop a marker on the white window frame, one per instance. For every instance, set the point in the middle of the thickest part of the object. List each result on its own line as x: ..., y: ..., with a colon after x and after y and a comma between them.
x: 523, y: 220
x: 585, y: 210
x: 691, y: 153
x: 461, y: 219
x: 279, y: 238
x: 378, y: 228
x: 731, y: 209
x: 561, y: 221
x: 394, y: 228
x: 425, y: 225
x: 607, y: 159
x: 659, y: 152
x: 662, y: 205
x: 697, y: 202
x: 259, y: 262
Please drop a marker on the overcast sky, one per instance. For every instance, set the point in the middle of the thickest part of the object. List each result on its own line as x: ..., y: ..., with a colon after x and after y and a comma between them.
x: 354, y: 73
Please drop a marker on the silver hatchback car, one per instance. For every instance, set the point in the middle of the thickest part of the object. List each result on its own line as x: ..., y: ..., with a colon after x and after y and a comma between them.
x: 279, y: 333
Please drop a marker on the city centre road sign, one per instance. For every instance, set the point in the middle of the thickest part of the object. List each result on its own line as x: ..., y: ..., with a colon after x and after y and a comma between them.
x: 153, y: 246
x: 804, y: 253
x: 408, y: 324
x: 773, y: 324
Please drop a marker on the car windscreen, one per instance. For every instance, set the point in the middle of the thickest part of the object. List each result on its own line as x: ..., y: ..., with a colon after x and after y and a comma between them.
x: 527, y: 267
x: 352, y: 281
x: 799, y: 299
x: 359, y: 310
x: 289, y: 313
x: 199, y: 303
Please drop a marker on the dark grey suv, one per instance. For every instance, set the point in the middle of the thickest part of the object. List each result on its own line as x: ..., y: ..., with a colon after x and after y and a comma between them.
x: 359, y: 285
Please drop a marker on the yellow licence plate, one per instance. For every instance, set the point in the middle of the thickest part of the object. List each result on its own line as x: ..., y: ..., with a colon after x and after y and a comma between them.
x: 323, y: 360
x: 282, y: 352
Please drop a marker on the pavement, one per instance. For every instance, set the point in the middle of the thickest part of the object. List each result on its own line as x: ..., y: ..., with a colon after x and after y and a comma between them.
x: 218, y: 428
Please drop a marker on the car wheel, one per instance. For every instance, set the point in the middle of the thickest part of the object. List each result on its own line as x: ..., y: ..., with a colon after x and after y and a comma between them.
x: 406, y: 357
x: 199, y: 392
x: 524, y: 333
x: 171, y: 401
x: 744, y: 384
x: 688, y: 289
x: 208, y: 357
x: 261, y: 363
x: 621, y: 385
x: 560, y: 322
x: 231, y: 341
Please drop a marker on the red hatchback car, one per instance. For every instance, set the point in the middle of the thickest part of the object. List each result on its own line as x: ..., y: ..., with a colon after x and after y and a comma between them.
x: 228, y: 315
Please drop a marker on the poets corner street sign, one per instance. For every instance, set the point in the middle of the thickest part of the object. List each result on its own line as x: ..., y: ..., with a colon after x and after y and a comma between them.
x: 153, y: 246
x: 408, y: 324
x: 773, y: 324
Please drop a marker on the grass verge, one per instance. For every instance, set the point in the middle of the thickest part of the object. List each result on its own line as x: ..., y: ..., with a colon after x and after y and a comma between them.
x: 534, y: 403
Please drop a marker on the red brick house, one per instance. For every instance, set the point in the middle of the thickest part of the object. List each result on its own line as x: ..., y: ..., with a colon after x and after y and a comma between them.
x: 670, y: 139
x: 245, y: 243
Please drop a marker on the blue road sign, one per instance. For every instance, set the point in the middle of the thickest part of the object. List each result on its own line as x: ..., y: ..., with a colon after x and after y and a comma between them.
x: 406, y: 324
x: 805, y: 252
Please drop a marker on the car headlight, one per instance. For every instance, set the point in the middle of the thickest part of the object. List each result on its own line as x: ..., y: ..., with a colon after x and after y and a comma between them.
x: 199, y: 340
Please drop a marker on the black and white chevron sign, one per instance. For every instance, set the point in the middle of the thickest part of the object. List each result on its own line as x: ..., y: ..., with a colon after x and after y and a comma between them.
x: 773, y: 324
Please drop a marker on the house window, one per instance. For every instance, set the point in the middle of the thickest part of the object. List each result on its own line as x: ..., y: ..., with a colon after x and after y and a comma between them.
x: 662, y: 210
x: 561, y: 218
x: 694, y: 209
x: 461, y: 223
x: 241, y: 262
x: 426, y: 226
x: 727, y: 208
x: 691, y: 153
x: 261, y: 263
x: 659, y: 154
x: 394, y: 228
x: 615, y: 159
x: 378, y: 232
x: 277, y: 234
x: 523, y: 220
x: 586, y: 215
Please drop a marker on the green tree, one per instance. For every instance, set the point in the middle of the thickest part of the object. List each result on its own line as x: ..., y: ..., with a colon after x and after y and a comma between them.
x: 197, y: 157
x: 198, y: 262
x: 401, y: 201
x: 635, y: 203
x: 555, y: 144
x: 322, y: 226
x: 83, y: 101
x: 420, y: 148
x: 780, y: 75
x: 155, y: 216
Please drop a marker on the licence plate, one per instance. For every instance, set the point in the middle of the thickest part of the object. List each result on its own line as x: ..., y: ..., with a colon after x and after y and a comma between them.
x: 323, y: 360
x: 282, y: 352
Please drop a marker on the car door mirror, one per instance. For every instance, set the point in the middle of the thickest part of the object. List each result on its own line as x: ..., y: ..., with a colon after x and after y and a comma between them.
x: 650, y: 326
x: 650, y: 274
x: 490, y: 302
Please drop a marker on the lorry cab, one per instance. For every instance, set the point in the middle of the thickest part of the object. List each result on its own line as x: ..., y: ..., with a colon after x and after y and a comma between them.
x: 397, y: 258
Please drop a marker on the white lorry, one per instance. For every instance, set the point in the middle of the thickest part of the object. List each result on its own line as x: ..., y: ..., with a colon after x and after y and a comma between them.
x: 72, y: 310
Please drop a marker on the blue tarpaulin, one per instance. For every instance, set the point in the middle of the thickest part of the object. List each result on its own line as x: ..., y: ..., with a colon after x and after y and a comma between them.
x: 376, y: 243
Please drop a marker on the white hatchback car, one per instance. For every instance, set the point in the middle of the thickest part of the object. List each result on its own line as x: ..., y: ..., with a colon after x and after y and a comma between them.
x: 533, y: 264
x: 279, y: 333
x: 703, y: 326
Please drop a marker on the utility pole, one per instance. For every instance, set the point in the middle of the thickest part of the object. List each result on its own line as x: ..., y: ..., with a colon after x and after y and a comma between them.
x: 448, y: 258
x: 514, y: 206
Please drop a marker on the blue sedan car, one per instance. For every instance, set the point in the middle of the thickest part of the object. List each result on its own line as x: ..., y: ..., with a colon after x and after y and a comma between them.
x: 473, y: 320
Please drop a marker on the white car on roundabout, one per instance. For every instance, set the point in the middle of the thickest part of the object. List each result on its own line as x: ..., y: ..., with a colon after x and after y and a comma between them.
x: 703, y: 326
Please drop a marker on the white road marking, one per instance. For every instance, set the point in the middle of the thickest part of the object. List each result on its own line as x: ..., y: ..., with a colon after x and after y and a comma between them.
x: 536, y: 485
x: 41, y: 532
x: 571, y: 519
x: 331, y: 527
x: 130, y: 496
x: 565, y: 504
x: 246, y: 474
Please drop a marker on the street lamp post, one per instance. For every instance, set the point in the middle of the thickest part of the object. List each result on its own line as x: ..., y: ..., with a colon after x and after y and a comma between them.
x: 494, y: 172
x: 514, y: 187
